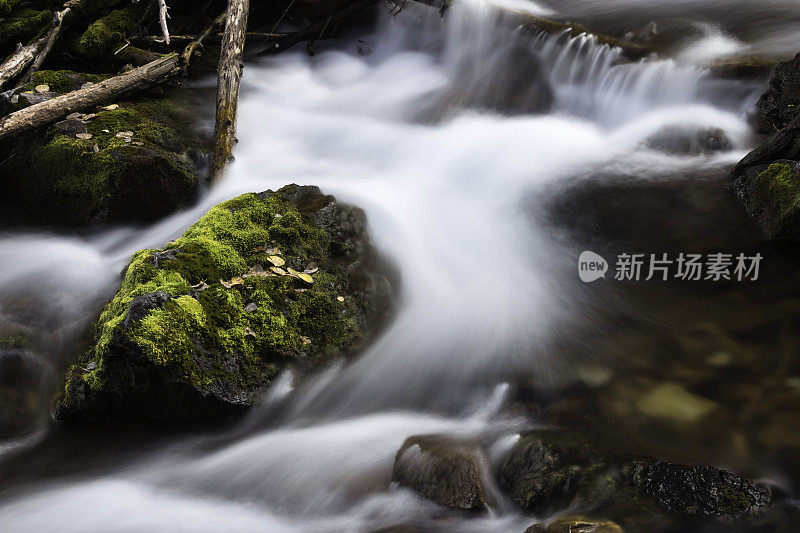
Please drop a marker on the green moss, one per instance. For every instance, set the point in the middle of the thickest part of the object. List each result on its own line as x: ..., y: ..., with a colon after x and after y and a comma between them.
x: 22, y: 25
x: 209, y: 335
x: 774, y: 200
x: 62, y: 81
x: 106, y: 177
x: 107, y: 35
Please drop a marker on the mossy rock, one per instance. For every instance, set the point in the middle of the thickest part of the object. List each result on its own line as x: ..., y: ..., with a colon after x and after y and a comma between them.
x: 20, y: 23
x: 106, y: 178
x: 781, y: 103
x: 553, y: 470
x: 199, y: 328
x: 771, y: 195
x: 106, y: 35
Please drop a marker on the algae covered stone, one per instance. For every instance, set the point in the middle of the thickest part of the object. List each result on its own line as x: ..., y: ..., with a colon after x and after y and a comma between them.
x: 771, y: 196
x: 199, y: 328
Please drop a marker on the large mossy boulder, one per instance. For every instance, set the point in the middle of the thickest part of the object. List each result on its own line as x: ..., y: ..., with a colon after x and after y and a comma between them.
x: 137, y: 160
x: 199, y: 328
x: 548, y: 471
x: 771, y: 195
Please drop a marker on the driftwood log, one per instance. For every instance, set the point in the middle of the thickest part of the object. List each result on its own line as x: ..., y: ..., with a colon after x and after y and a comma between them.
x: 229, y: 74
x: 100, y: 93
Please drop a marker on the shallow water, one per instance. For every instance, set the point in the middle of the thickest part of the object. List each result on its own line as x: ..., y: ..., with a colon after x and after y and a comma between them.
x: 484, y: 208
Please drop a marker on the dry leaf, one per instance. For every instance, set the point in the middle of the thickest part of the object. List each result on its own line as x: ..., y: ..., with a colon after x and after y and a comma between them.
x: 305, y: 340
x: 43, y: 88
x: 226, y: 284
x: 83, y: 135
x: 90, y: 116
x: 275, y: 260
x: 311, y: 268
x: 200, y: 286
x: 291, y: 271
x: 278, y: 270
x: 237, y: 281
x: 111, y: 107
x: 305, y: 277
x: 340, y: 298
x: 250, y: 308
x: 106, y: 131
x: 248, y: 331
x: 124, y: 134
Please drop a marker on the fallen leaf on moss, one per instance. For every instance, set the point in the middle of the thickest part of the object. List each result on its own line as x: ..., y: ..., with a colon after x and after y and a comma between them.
x: 111, y: 107
x: 275, y: 260
x: 43, y: 88
x: 90, y: 116
x: 200, y: 286
x: 305, y: 340
x: 291, y: 271
x: 311, y: 268
x: 248, y: 331
x: 250, y: 308
x: 340, y: 298
x: 305, y: 277
x: 83, y: 135
x: 278, y: 270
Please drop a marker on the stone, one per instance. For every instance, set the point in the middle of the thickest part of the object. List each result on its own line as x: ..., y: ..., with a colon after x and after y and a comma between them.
x: 781, y: 103
x: 446, y: 470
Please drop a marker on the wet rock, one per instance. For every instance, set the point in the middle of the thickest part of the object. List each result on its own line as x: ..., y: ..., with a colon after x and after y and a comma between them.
x: 781, y: 103
x: 444, y: 469
x: 581, y: 524
x: 547, y: 471
x: 771, y: 196
x: 179, y: 341
x: 698, y: 490
x: 677, y: 140
x: 672, y: 401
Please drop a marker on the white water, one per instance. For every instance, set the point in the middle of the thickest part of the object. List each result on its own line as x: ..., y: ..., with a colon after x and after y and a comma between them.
x: 451, y: 198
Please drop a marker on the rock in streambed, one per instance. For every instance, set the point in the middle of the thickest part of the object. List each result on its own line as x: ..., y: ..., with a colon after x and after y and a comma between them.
x: 200, y: 327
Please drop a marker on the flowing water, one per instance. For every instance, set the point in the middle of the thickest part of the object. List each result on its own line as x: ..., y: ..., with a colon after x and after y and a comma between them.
x: 483, y: 205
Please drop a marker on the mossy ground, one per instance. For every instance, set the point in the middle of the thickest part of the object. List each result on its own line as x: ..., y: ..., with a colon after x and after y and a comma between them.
x: 219, y: 337
x: 108, y: 178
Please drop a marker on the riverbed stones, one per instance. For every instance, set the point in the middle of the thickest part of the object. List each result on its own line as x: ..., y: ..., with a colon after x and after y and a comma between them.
x: 182, y: 340
x: 444, y: 469
x: 576, y: 524
x: 551, y: 470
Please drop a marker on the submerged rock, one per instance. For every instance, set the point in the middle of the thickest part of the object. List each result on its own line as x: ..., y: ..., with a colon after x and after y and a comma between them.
x: 199, y: 328
x: 444, y: 469
x: 576, y: 524
x: 781, y: 103
x: 547, y: 471
x: 678, y: 140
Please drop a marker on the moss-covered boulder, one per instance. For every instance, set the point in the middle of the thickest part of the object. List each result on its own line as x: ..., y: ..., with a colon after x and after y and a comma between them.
x: 199, y: 328
x: 137, y: 160
x: 771, y: 195
x: 547, y: 471
x: 20, y: 22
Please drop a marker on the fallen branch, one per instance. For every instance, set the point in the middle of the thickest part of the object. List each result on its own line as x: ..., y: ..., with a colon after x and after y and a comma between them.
x: 229, y: 74
x: 162, y: 18
x: 315, y: 31
x: 33, y: 55
x: 197, y: 42
x: 182, y: 40
x: 100, y: 93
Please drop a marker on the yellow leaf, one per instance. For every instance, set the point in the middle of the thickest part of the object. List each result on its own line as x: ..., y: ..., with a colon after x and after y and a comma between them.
x: 275, y: 260
x: 305, y: 277
x: 278, y: 270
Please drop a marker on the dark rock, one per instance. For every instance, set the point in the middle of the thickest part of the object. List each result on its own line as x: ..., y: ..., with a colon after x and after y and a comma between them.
x: 698, y: 490
x: 181, y: 342
x: 71, y: 126
x: 519, y: 84
x: 545, y: 471
x: 781, y: 103
x: 443, y: 469
x: 31, y: 98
